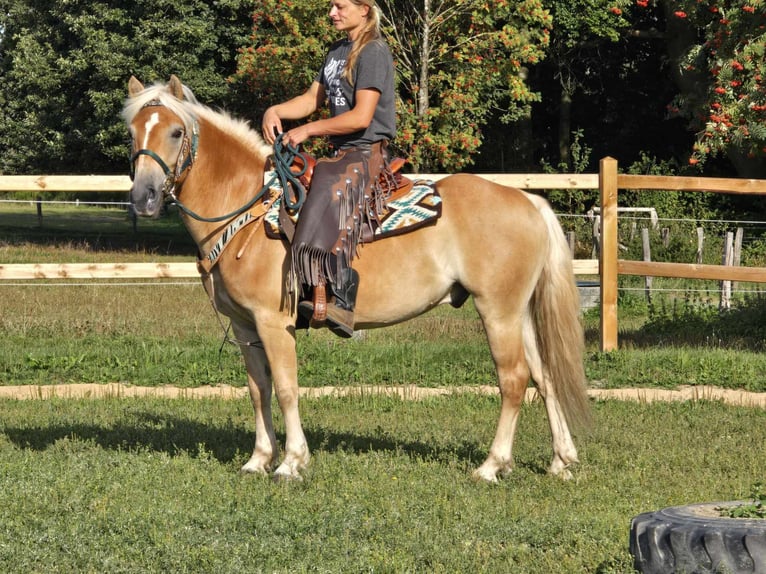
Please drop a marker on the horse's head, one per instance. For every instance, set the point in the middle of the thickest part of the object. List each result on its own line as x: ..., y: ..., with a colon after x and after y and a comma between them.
x: 164, y: 133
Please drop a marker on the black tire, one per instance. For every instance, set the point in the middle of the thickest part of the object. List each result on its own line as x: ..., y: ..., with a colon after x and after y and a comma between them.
x: 693, y: 539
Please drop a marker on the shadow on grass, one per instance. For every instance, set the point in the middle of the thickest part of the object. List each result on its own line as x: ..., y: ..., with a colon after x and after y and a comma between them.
x: 329, y: 440
x: 229, y: 443
x: 172, y: 436
x: 109, y: 232
x: 743, y: 327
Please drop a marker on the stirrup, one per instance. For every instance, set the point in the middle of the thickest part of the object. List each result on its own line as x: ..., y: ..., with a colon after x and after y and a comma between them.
x: 338, y: 320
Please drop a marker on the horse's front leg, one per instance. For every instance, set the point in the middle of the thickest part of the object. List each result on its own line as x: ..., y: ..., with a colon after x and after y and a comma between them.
x: 279, y: 344
x: 259, y: 384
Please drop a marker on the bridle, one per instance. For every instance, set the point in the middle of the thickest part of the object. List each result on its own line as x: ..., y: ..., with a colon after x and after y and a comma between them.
x: 284, y: 177
x: 186, y: 157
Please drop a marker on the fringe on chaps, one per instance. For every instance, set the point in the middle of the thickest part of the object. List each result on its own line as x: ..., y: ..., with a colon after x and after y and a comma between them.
x: 345, y: 196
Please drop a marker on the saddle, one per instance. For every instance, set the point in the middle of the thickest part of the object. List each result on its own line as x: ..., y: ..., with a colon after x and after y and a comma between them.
x: 392, y: 182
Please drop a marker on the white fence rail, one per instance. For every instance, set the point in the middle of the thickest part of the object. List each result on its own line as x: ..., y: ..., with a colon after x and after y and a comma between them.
x: 120, y: 183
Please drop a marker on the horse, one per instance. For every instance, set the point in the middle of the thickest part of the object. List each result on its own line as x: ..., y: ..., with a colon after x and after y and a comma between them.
x: 500, y: 245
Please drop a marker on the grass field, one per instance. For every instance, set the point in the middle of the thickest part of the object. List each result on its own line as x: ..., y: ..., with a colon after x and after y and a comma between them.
x: 151, y: 485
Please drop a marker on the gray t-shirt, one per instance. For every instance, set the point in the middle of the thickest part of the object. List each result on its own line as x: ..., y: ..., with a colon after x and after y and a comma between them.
x: 374, y: 70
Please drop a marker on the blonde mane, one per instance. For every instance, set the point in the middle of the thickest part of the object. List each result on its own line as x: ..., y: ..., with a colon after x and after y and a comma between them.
x: 189, y: 110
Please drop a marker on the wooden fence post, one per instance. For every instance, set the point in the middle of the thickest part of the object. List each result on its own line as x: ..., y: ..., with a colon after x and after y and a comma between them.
x: 39, y: 211
x: 571, y: 240
x: 607, y: 183
x: 728, y: 259
x: 737, y: 258
x: 647, y: 250
x: 596, y: 237
x: 700, y: 244
x: 133, y: 218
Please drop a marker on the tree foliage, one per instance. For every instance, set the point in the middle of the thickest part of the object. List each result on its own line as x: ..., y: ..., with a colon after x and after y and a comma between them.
x: 284, y: 50
x: 583, y: 40
x: 479, y: 81
x: 462, y: 62
x: 457, y: 60
x: 283, y: 53
x: 726, y: 62
x: 65, y: 65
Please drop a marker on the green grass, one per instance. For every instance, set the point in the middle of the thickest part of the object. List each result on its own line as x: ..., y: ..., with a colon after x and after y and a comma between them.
x: 154, y: 333
x: 151, y: 485
x: 159, y: 334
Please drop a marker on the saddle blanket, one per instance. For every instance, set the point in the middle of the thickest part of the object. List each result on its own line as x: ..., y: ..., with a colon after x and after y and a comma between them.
x: 420, y: 206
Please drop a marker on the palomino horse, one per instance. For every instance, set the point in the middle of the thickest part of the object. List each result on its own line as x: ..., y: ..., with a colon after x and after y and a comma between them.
x: 501, y: 245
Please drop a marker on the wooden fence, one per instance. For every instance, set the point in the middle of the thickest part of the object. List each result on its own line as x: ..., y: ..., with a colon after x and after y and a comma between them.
x: 608, y: 266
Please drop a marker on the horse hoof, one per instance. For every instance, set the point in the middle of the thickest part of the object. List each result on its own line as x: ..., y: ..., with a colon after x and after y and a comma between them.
x: 283, y: 477
x: 253, y: 469
x: 255, y: 465
x: 480, y: 475
x: 563, y: 474
x: 288, y: 473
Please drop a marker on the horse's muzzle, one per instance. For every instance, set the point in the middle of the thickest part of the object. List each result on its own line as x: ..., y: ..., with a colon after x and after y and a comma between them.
x: 146, y: 199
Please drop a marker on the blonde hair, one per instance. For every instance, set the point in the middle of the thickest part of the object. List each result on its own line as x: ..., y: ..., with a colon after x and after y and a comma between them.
x: 369, y: 33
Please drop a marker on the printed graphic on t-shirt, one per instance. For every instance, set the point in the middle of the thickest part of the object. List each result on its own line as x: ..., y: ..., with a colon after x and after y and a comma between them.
x: 333, y: 74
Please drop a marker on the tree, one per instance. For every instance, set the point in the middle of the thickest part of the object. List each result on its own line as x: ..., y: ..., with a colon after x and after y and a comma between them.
x: 584, y: 32
x: 462, y: 62
x: 283, y: 53
x: 457, y: 61
x: 725, y: 60
x: 65, y: 64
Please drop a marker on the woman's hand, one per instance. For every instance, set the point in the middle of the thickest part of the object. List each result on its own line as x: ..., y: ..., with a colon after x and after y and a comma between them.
x: 298, y: 108
x: 271, y: 125
x: 296, y: 136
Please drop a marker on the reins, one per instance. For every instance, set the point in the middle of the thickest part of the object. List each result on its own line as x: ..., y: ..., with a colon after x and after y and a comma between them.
x: 283, y: 158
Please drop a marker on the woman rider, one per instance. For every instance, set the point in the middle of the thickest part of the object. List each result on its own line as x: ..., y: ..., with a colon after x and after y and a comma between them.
x: 357, y: 81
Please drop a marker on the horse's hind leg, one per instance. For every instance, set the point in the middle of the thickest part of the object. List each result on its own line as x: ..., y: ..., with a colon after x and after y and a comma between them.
x: 508, y: 354
x: 564, y: 450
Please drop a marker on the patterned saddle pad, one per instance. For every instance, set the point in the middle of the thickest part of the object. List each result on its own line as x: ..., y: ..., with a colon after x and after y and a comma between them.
x: 421, y: 206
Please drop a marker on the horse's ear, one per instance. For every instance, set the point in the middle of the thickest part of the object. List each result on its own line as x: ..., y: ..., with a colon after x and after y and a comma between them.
x: 176, y: 87
x: 134, y: 86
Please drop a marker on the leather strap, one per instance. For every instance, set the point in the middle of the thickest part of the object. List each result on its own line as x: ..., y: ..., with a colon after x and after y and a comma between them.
x: 320, y: 304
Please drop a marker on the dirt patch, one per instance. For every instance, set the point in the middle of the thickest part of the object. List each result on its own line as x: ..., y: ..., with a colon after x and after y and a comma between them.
x: 412, y: 392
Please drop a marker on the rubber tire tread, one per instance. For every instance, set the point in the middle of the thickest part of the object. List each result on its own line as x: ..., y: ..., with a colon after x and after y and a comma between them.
x: 685, y: 540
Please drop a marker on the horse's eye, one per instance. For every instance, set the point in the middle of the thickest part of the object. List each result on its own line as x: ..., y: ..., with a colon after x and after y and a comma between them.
x: 178, y: 134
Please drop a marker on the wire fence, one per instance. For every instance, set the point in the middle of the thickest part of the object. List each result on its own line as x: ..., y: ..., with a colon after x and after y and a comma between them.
x: 76, y: 202
x: 583, y: 222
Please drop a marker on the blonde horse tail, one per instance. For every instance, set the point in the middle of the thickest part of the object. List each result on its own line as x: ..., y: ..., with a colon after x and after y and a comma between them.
x: 558, y: 332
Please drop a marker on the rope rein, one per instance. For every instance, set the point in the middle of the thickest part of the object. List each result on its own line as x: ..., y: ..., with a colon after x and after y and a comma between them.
x: 284, y: 157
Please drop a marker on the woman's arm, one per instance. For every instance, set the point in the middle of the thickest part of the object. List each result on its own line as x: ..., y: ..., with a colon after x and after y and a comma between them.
x: 295, y: 109
x: 357, y: 118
